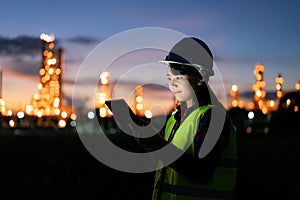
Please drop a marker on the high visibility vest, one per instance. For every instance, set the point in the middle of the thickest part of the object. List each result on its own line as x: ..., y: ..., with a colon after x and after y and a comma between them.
x: 176, y: 186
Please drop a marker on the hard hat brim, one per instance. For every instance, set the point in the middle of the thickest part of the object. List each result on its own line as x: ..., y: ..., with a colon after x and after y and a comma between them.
x: 173, y: 62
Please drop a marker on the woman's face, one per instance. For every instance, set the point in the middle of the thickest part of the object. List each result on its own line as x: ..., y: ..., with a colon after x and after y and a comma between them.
x: 181, y: 88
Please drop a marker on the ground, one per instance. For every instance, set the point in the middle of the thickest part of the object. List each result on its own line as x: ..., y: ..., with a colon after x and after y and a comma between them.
x: 58, y: 167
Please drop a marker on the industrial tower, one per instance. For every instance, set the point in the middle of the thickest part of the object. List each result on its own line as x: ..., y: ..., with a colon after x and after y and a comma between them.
x: 47, y: 101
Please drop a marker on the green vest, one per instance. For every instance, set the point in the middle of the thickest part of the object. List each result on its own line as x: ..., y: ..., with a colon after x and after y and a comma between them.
x: 176, y: 186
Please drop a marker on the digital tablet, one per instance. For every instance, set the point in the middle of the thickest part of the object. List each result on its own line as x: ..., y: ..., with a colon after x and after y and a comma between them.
x: 122, y: 111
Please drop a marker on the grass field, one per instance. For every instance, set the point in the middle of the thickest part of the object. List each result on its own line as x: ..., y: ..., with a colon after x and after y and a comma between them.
x: 59, y: 167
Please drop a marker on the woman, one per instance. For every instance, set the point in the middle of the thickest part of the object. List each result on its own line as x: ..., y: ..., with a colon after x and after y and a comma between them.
x: 196, y: 175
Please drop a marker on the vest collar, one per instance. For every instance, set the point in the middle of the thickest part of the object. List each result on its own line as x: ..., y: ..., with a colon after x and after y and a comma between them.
x: 180, y: 117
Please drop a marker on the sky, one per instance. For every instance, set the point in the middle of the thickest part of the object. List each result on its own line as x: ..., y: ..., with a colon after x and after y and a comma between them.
x: 240, y: 34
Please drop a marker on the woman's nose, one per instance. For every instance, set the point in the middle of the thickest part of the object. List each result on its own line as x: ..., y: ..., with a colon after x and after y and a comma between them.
x: 173, y: 82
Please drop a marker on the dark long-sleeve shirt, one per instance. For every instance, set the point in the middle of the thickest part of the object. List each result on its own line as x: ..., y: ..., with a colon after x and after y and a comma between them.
x: 193, y: 167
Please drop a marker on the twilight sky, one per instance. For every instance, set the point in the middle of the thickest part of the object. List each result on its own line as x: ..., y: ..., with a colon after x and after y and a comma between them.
x: 240, y: 35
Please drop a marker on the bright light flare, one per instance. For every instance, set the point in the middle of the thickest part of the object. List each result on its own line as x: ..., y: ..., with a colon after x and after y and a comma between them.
x: 62, y: 123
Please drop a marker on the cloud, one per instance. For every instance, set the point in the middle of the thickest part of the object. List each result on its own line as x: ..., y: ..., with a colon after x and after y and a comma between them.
x: 83, y: 40
x: 21, y: 45
x: 22, y: 65
x: 22, y: 55
x: 27, y: 45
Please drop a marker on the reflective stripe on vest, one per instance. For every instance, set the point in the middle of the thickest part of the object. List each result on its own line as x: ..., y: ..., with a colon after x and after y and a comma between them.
x: 177, y: 187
